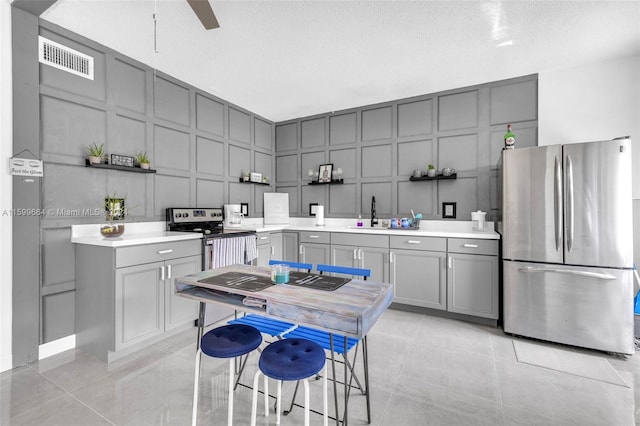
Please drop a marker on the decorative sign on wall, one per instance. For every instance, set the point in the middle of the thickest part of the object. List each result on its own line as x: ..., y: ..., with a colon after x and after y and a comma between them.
x: 256, y: 177
x: 25, y: 166
x: 122, y: 160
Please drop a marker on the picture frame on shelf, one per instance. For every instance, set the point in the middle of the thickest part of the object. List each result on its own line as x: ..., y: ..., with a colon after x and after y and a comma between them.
x: 448, y: 210
x: 324, y: 173
x: 313, y: 208
x: 256, y: 177
x: 122, y: 160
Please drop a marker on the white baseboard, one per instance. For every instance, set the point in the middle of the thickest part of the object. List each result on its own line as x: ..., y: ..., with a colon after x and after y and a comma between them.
x: 55, y: 347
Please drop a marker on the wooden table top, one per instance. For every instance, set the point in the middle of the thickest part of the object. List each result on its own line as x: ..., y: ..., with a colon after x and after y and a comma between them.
x: 350, y: 310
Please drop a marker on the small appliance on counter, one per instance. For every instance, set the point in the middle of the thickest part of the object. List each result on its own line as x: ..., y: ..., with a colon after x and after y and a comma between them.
x: 232, y: 215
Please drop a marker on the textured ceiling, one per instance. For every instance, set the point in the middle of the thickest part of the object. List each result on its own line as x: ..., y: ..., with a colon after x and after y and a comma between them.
x: 288, y: 59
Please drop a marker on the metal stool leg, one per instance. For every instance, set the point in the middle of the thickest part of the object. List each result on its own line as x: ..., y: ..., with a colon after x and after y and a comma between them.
x: 194, y: 414
x: 232, y: 362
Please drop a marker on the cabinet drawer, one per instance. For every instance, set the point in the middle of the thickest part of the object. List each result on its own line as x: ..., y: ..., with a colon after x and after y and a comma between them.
x: 264, y: 238
x: 472, y: 246
x: 314, y: 237
x: 360, y: 240
x: 136, y: 255
x: 418, y: 243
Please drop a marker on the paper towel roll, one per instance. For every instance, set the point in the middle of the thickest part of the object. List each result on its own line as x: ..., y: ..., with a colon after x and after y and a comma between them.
x: 320, y: 216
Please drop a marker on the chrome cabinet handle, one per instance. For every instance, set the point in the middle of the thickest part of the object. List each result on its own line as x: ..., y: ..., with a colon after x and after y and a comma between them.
x: 413, y: 242
x: 168, y: 272
x: 273, y: 250
x: 355, y: 254
x: 162, y: 272
x: 165, y: 251
x: 598, y: 275
x: 470, y: 245
x: 391, y: 256
x: 314, y: 236
x: 450, y: 262
x: 359, y: 254
x: 263, y: 238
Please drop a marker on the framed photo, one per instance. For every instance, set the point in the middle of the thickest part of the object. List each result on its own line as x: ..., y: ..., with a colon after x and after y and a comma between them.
x: 122, y: 160
x: 313, y: 207
x: 448, y: 210
x: 256, y: 177
x: 244, y: 209
x: 324, y: 174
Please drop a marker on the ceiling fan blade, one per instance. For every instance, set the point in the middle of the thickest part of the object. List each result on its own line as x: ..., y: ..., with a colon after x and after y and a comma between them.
x: 204, y: 12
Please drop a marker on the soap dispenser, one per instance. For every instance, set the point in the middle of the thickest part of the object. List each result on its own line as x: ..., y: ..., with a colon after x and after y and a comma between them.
x: 359, y: 222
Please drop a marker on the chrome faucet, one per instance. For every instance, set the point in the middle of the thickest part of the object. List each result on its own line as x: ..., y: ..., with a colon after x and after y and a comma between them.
x: 374, y: 218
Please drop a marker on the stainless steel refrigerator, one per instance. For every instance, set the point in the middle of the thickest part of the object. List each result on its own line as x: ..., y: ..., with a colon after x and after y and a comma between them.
x: 568, y: 244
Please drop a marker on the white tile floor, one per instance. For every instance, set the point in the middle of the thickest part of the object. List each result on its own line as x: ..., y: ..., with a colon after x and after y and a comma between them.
x: 424, y: 370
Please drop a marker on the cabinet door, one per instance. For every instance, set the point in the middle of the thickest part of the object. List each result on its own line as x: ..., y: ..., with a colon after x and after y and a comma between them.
x: 290, y: 246
x: 264, y: 254
x: 472, y: 285
x: 419, y: 278
x: 344, y: 256
x: 315, y: 253
x: 139, y: 307
x: 375, y: 259
x: 276, y: 246
x: 179, y: 310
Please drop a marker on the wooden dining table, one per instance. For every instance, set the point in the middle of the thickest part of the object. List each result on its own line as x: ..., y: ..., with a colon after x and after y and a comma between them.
x: 350, y: 310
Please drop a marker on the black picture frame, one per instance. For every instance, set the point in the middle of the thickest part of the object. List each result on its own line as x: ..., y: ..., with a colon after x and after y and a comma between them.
x: 122, y: 160
x: 312, y: 209
x: 448, y: 210
x: 244, y: 209
x: 324, y: 173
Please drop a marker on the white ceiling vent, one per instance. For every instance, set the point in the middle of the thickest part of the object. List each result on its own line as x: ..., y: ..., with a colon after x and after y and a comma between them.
x: 65, y: 58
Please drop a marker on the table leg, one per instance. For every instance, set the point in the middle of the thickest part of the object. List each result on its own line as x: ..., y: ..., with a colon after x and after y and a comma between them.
x: 345, y: 419
x: 203, y: 306
x: 335, y: 386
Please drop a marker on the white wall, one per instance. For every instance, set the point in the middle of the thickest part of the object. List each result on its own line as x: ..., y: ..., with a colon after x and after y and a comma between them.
x: 595, y: 102
x: 6, y: 144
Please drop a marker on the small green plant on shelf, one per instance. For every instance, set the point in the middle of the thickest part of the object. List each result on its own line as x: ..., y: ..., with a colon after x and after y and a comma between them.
x: 96, y: 152
x: 142, y: 160
x: 431, y: 170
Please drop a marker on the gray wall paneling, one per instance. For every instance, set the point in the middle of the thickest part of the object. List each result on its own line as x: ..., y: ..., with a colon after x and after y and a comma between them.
x: 188, y: 134
x: 378, y: 146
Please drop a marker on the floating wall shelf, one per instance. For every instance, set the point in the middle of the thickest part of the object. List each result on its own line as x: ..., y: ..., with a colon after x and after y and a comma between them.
x: 121, y: 168
x: 255, y: 183
x: 333, y: 182
x: 438, y: 177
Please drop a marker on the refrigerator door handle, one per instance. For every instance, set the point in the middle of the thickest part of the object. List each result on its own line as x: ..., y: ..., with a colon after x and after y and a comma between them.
x: 530, y: 269
x: 570, y: 206
x: 557, y: 204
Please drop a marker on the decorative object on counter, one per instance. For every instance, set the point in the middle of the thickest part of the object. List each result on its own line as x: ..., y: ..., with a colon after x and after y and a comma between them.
x: 244, y: 209
x: 142, y: 160
x: 256, y: 177
x: 448, y: 210
x: 324, y: 174
x: 478, y: 221
x: 95, y: 153
x: 313, y: 208
x: 393, y: 223
x: 115, y: 211
x: 359, y: 222
x: 509, y: 138
x: 404, y: 222
x: 122, y: 160
x: 320, y: 215
x: 431, y: 170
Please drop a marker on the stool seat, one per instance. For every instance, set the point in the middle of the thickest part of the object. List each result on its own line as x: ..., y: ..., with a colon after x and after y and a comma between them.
x: 292, y: 359
x: 230, y: 341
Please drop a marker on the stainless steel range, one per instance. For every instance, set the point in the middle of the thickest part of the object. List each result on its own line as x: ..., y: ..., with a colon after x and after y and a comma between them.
x: 220, y: 246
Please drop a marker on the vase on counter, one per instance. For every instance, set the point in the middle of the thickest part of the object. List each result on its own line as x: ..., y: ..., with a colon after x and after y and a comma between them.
x: 111, y: 230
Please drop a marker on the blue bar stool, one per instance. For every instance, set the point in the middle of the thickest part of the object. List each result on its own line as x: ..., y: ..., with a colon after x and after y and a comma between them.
x: 290, y: 359
x: 229, y: 341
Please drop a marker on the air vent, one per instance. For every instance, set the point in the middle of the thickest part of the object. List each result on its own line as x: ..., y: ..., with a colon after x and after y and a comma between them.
x: 65, y: 58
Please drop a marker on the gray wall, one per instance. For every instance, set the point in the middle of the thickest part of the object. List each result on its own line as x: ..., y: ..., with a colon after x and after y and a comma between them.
x: 199, y: 145
x: 378, y: 146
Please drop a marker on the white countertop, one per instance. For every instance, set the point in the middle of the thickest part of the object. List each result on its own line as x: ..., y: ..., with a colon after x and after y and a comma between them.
x: 134, y: 234
x: 428, y: 228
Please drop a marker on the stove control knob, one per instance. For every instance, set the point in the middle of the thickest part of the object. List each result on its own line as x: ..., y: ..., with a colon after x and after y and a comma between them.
x: 185, y: 215
x: 207, y: 231
x: 178, y: 214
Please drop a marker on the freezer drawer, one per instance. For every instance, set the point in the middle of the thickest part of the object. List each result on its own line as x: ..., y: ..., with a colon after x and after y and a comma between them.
x: 586, y: 307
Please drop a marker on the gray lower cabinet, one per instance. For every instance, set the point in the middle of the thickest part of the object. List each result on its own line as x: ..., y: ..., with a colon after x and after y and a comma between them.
x: 362, y: 251
x: 314, y: 247
x: 418, y: 271
x: 290, y: 246
x: 125, y: 297
x: 277, y: 246
x: 263, y: 244
x: 472, y: 277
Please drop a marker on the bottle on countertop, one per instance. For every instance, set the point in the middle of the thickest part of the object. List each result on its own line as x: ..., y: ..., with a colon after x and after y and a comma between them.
x: 509, y: 138
x: 359, y: 222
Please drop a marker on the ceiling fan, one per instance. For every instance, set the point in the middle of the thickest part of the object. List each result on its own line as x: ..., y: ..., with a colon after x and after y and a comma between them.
x: 204, y: 12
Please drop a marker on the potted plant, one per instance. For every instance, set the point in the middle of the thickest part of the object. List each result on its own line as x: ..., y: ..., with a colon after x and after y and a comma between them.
x: 95, y: 153
x: 431, y: 170
x: 142, y: 160
x: 115, y: 213
x: 246, y: 175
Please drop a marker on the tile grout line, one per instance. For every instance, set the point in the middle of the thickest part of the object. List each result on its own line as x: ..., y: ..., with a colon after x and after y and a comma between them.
x: 495, y: 370
x: 68, y: 393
